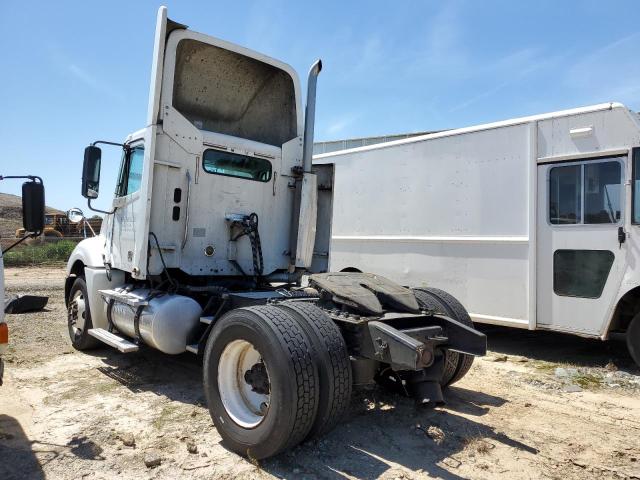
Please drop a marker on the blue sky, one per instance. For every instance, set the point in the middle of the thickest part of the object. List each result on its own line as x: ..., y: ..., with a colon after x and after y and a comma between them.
x: 75, y: 71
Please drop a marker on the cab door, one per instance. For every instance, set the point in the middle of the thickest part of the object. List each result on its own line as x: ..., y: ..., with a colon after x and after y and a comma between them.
x: 580, y: 244
x: 127, y: 228
x: 122, y: 244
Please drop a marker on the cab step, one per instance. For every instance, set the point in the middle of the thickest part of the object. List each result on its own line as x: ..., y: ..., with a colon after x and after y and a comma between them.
x: 113, y: 340
x: 193, y: 348
x: 123, y: 297
x: 206, y: 320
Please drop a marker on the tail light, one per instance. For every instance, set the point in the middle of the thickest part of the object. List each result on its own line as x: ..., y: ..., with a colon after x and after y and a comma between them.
x: 4, y: 333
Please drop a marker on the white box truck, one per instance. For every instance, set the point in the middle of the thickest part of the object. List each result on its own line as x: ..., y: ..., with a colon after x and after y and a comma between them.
x: 213, y: 225
x: 532, y: 222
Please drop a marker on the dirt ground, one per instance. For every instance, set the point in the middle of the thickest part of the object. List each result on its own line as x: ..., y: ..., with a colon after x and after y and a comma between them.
x: 540, y: 405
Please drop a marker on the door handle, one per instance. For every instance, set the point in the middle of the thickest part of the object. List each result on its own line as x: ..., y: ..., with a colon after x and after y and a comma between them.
x: 622, y: 236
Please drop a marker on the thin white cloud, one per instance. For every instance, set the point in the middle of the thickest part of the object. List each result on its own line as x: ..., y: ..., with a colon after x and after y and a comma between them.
x: 66, y: 66
x: 339, y: 125
x: 92, y: 82
x: 610, y: 73
x: 84, y: 76
x: 512, y: 68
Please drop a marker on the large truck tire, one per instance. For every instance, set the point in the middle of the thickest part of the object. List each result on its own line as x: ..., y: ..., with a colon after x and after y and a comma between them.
x: 456, y: 364
x: 79, y: 317
x: 334, y: 365
x: 633, y: 339
x: 260, y: 381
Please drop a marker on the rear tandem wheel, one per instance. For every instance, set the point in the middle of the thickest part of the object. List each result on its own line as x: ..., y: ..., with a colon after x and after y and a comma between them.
x: 260, y: 381
x: 456, y: 364
x: 334, y: 365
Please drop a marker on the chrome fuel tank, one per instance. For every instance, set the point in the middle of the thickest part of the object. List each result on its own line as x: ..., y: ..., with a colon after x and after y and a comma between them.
x: 167, y: 323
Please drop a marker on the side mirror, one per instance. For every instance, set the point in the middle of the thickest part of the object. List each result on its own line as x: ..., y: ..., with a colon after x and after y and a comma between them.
x: 91, y: 172
x: 75, y: 215
x: 33, y: 207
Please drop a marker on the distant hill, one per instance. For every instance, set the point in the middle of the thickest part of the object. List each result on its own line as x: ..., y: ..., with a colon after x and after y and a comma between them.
x: 11, y: 214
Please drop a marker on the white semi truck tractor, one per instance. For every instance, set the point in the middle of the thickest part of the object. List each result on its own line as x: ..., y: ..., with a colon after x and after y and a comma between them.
x: 217, y: 243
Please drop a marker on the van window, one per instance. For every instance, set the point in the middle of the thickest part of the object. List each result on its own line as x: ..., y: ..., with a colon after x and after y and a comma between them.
x: 235, y: 165
x: 565, y: 195
x: 581, y: 273
x: 602, y: 191
x: 587, y: 193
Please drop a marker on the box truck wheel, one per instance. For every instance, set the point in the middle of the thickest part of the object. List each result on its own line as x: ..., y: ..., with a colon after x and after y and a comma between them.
x: 633, y: 339
x: 79, y: 316
x: 456, y: 364
x: 334, y: 366
x: 260, y: 381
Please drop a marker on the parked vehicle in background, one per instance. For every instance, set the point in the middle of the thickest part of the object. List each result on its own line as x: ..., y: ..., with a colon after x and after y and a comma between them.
x: 33, y: 224
x: 532, y: 222
x: 213, y: 225
x: 58, y: 225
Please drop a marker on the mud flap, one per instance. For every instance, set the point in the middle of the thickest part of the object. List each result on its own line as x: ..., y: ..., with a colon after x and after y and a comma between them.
x: 25, y: 304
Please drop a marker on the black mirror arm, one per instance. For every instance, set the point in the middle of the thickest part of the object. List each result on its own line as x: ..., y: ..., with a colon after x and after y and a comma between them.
x: 104, y: 142
x: 28, y: 235
x: 33, y: 178
x: 98, y: 210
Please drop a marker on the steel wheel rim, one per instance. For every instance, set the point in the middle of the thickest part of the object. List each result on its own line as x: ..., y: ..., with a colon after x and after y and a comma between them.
x: 77, y: 313
x: 245, y: 406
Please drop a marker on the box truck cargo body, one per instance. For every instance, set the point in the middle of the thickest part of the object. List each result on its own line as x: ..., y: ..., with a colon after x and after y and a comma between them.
x: 529, y: 222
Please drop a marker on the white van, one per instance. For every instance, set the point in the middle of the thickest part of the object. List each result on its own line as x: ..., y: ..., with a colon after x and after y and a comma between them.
x: 532, y: 222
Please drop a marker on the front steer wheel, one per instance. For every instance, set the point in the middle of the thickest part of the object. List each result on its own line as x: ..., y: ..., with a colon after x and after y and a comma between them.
x: 79, y: 317
x: 260, y: 381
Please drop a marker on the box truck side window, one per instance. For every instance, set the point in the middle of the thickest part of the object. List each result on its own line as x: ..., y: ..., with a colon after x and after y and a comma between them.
x: 602, y: 192
x: 636, y: 186
x: 587, y: 193
x: 235, y: 165
x: 581, y: 273
x: 565, y: 195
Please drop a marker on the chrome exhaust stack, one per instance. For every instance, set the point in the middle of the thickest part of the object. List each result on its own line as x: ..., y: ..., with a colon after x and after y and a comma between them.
x: 308, y: 211
x: 310, y: 115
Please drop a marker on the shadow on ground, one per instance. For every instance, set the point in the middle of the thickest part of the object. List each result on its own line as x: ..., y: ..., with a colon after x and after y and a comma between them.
x: 22, y: 458
x: 382, y: 428
x: 558, y: 347
x: 396, y: 432
x: 18, y: 458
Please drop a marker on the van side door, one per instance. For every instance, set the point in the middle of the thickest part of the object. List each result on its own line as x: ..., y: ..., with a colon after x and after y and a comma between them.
x: 581, y: 248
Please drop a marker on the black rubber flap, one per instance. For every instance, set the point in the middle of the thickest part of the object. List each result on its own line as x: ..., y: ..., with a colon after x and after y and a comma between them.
x: 366, y: 292
x: 25, y: 304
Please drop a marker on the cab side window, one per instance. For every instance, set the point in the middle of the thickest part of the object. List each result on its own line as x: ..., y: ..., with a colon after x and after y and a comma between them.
x: 130, y: 176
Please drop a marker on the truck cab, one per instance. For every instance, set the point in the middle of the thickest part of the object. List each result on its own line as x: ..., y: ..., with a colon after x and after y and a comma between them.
x: 214, y: 223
